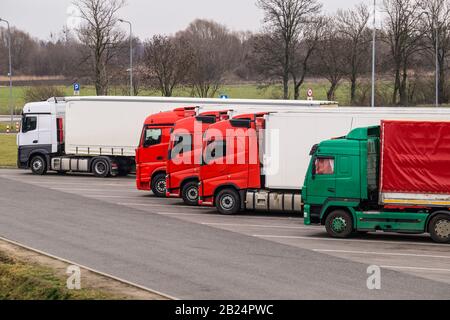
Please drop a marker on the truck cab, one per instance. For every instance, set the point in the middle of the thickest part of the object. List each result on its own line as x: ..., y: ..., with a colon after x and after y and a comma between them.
x: 339, y: 175
x: 41, y: 134
x: 185, y: 152
x: 231, y: 163
x: 151, y: 155
x: 347, y: 189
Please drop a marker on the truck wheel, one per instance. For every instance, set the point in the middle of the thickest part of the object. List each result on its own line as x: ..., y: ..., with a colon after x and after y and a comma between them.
x: 159, y: 185
x: 101, y: 168
x: 228, y: 202
x: 339, y: 224
x: 189, y: 193
x: 38, y: 165
x: 440, y: 228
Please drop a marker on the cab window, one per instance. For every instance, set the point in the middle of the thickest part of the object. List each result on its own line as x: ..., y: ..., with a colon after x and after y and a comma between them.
x: 215, y: 150
x: 324, y: 166
x: 184, y: 141
x: 29, y: 124
x: 152, y: 137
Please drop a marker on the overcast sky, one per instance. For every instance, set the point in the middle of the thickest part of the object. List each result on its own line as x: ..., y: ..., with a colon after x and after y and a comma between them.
x: 41, y: 18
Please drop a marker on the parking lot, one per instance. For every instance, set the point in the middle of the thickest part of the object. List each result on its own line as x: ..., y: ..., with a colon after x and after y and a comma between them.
x: 413, y: 260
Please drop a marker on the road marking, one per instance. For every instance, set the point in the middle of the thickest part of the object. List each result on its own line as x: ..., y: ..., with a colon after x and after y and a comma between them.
x: 383, y: 253
x: 257, y: 226
x: 158, y: 205
x: 351, y: 240
x: 96, y: 190
x: 416, y: 268
x: 82, y: 183
x: 89, y: 269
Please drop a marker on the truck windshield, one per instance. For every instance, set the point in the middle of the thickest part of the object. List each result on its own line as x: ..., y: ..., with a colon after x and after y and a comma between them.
x: 152, y: 137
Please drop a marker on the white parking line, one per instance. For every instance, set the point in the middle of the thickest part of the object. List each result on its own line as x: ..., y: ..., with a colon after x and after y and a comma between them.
x: 383, y: 253
x: 351, y: 240
x: 416, y: 268
x: 258, y: 226
x: 82, y: 183
x: 158, y: 205
x: 95, y: 190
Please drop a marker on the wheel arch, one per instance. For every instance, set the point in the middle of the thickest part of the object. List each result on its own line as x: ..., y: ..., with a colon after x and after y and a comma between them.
x: 187, y: 180
x: 432, y: 215
x: 158, y: 171
x: 39, y: 152
x: 332, y: 207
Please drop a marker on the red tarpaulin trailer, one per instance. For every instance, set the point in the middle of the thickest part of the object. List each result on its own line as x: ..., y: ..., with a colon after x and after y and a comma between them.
x: 415, y: 157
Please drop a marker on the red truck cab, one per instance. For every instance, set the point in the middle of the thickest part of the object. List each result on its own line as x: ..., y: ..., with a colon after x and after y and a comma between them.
x: 151, y: 155
x: 231, y: 162
x: 184, y: 163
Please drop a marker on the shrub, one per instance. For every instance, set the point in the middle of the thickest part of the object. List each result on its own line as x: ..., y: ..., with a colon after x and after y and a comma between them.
x: 42, y: 93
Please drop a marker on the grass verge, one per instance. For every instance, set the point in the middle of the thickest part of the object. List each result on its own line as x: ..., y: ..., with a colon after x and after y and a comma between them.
x: 29, y: 275
x: 23, y: 281
x: 8, y: 151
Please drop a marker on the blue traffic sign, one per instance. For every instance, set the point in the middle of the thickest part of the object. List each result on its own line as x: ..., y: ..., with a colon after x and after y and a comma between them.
x: 76, y: 87
x: 223, y: 96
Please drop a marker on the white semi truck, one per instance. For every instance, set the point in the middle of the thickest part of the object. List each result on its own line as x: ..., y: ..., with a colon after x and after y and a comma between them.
x: 99, y: 135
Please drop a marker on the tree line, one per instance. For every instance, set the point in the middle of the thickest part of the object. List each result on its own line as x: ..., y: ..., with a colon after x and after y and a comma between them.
x: 297, y: 41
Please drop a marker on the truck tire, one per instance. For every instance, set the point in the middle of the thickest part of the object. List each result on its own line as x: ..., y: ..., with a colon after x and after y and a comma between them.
x: 101, y: 168
x: 439, y: 228
x: 189, y: 193
x: 38, y: 165
x: 159, y: 185
x: 339, y: 224
x: 228, y: 202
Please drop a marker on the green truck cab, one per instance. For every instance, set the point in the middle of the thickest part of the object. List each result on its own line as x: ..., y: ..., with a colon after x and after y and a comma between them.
x: 341, y: 192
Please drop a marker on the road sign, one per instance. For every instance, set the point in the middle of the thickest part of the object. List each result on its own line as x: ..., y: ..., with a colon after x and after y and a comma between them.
x: 76, y: 89
x: 223, y: 96
x: 310, y: 94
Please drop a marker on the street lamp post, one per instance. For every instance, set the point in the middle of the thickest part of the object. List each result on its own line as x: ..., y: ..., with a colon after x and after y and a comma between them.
x: 436, y: 26
x: 374, y: 51
x: 131, y: 55
x: 10, y: 71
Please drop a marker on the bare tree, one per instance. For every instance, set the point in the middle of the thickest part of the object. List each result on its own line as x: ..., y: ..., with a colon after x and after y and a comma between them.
x: 168, y: 62
x: 100, y: 34
x: 436, y: 23
x: 403, y: 35
x: 302, y: 52
x: 353, y: 31
x: 330, y: 59
x: 284, y: 21
x: 215, y: 52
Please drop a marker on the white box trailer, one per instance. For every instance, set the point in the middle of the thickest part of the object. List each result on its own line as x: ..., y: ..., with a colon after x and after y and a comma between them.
x: 71, y: 134
x: 289, y: 136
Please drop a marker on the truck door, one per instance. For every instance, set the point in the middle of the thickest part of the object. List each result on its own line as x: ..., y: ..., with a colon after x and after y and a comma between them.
x: 347, y: 182
x: 322, y: 181
x: 155, y: 144
x: 29, y: 134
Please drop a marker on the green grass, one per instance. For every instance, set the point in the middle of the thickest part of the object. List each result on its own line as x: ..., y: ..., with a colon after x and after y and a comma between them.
x: 25, y: 281
x: 8, y: 150
x: 244, y: 91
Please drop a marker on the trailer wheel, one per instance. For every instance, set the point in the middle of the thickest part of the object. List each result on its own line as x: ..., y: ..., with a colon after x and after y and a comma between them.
x: 101, y: 168
x: 339, y: 224
x: 440, y: 228
x: 189, y: 193
x: 159, y: 185
x: 38, y: 165
x: 228, y: 202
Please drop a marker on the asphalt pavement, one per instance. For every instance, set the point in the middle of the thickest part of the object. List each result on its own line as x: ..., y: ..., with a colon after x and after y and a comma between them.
x: 194, y: 253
